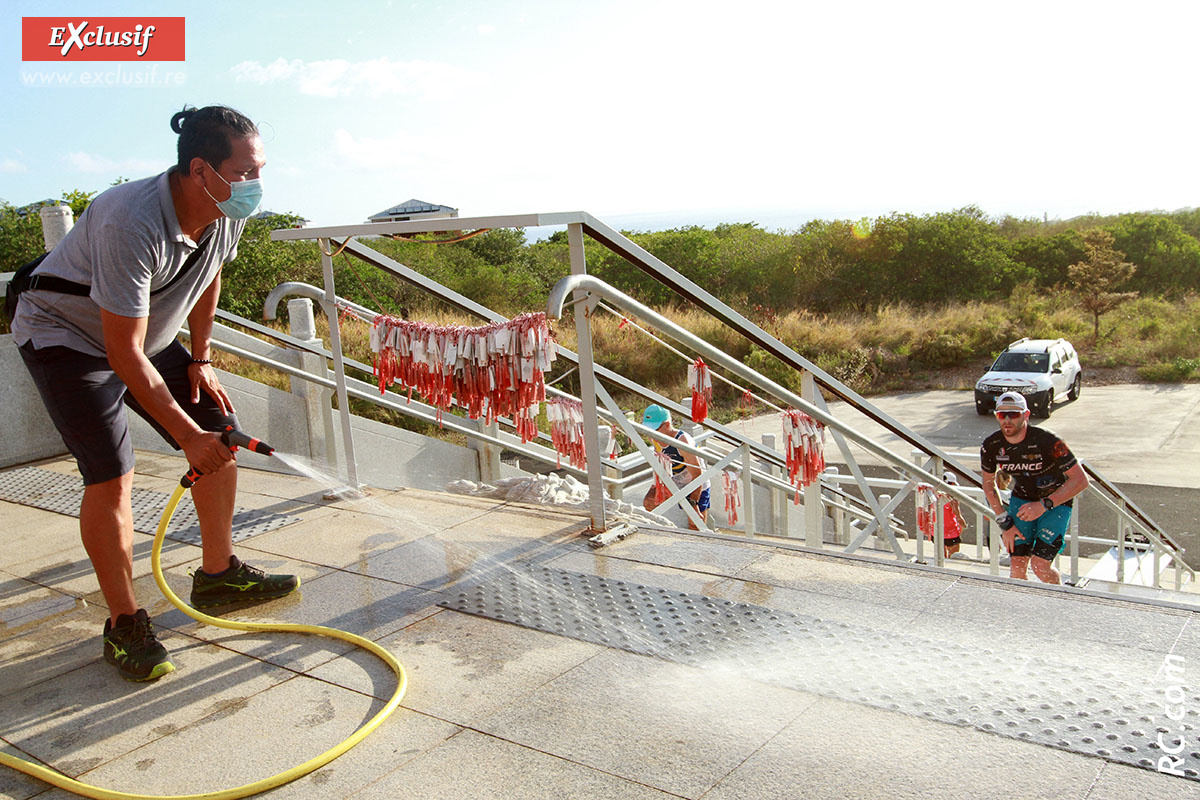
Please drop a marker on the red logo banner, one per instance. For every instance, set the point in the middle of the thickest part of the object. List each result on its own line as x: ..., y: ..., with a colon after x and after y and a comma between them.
x: 102, y: 38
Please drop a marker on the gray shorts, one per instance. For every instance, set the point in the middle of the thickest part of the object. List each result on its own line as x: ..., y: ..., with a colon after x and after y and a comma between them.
x: 84, y: 397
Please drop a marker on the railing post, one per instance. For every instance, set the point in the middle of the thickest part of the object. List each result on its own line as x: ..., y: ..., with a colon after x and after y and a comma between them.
x: 57, y: 221
x: 939, y: 534
x: 1154, y: 549
x: 1121, y: 543
x: 607, y: 435
x: 748, y: 489
x: 981, y: 534
x: 777, y: 503
x: 317, y: 406
x: 814, y: 517
x: 587, y: 383
x: 486, y: 453
x: 339, y: 366
x: 1074, y: 534
x: 993, y: 536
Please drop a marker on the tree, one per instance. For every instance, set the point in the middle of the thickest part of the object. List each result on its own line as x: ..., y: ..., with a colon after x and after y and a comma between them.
x: 1168, y: 258
x: 1102, y: 270
x: 1050, y: 256
x: 78, y: 200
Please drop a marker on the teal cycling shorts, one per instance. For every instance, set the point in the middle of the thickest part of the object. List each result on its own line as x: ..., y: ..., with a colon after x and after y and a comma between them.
x: 1044, y: 536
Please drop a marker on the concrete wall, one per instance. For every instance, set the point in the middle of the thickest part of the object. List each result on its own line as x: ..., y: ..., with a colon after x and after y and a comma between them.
x: 27, y: 432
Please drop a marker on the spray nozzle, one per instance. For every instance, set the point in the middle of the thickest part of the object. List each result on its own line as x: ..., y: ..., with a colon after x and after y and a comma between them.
x: 189, y: 480
x: 233, y: 438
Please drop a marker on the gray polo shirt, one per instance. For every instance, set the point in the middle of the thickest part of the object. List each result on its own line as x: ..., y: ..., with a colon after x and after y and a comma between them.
x: 127, y: 244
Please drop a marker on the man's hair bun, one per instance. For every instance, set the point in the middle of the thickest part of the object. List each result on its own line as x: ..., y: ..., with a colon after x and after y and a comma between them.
x: 180, y: 119
x: 205, y: 133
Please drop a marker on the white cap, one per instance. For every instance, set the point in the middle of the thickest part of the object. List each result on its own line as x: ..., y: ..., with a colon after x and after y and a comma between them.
x: 950, y: 477
x: 1011, y: 401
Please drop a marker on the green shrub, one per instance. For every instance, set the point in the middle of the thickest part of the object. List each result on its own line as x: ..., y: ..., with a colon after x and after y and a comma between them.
x: 851, y: 367
x: 1176, y: 371
x: 936, y: 349
x: 772, y: 368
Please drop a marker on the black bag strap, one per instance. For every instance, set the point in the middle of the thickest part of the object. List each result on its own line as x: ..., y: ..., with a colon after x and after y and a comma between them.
x: 26, y: 279
x: 187, y: 265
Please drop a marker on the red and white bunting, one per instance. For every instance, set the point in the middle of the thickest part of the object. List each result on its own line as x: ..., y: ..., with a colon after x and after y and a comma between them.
x: 700, y: 381
x: 491, y: 371
x: 804, y: 447
x: 926, y: 509
x: 733, y: 496
x: 566, y: 430
x: 661, y: 491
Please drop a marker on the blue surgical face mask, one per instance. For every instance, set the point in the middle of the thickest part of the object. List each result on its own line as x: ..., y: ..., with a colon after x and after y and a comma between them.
x: 244, y: 197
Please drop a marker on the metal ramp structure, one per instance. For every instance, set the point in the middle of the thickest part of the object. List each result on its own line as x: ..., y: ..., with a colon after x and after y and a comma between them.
x: 1052, y: 699
x: 859, y: 509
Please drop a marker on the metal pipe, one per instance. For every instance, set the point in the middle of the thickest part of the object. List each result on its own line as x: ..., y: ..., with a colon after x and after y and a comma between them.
x: 296, y: 288
x: 575, y: 283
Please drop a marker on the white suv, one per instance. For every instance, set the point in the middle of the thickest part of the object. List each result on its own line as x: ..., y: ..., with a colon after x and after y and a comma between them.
x: 1046, y: 371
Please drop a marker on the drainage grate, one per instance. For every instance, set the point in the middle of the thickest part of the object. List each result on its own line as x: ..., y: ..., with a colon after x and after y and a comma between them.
x: 1090, y: 710
x: 61, y: 493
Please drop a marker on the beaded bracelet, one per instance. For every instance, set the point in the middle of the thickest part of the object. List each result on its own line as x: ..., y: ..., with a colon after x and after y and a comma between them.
x: 201, y: 361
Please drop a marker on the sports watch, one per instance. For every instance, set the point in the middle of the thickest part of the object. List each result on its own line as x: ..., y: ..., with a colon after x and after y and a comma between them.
x: 1048, y: 503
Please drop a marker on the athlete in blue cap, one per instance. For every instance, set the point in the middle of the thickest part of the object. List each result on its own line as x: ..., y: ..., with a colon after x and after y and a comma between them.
x: 685, y: 467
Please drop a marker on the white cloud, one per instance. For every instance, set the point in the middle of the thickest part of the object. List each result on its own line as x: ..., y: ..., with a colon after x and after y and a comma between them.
x: 10, y: 166
x: 372, y: 78
x: 485, y: 30
x: 86, y: 162
x: 399, y: 150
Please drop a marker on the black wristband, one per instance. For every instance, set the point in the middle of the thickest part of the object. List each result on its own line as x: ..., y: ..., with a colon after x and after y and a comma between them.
x: 201, y: 360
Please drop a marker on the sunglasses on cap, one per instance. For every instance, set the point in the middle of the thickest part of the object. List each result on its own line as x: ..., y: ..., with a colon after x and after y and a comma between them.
x: 1009, y: 414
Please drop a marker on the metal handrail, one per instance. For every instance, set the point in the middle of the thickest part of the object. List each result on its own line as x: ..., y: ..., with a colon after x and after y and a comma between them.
x: 364, y: 391
x: 1133, y: 510
x: 579, y: 223
x: 712, y: 355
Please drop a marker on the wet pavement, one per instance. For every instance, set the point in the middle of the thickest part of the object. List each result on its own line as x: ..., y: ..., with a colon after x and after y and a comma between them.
x: 502, y: 710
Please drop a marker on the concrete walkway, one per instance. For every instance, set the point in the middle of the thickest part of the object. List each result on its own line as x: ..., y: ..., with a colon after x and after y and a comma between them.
x: 496, y: 710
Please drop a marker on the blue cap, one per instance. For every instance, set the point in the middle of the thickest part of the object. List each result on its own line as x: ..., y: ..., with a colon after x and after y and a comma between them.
x: 654, y: 416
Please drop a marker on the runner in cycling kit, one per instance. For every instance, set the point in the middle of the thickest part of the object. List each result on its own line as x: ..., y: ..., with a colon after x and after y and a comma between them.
x: 1045, y: 477
x: 1038, y: 466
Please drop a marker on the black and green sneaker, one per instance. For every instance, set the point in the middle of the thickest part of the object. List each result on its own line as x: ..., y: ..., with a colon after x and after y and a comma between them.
x: 239, y: 582
x: 131, y: 647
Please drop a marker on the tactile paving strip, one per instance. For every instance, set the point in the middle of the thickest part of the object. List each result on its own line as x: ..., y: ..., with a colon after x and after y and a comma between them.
x: 61, y: 493
x: 1070, y: 706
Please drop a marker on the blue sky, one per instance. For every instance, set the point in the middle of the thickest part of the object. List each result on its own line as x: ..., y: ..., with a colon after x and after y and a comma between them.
x: 648, y: 113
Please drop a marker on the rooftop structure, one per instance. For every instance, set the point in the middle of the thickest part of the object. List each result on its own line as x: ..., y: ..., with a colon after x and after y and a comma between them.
x: 413, y: 209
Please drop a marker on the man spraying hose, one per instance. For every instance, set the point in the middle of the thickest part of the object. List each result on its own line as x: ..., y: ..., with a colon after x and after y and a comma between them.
x: 147, y: 255
x: 1045, y: 478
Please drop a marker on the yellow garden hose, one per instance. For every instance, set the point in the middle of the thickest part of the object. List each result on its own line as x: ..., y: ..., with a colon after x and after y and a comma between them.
x: 86, y: 790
